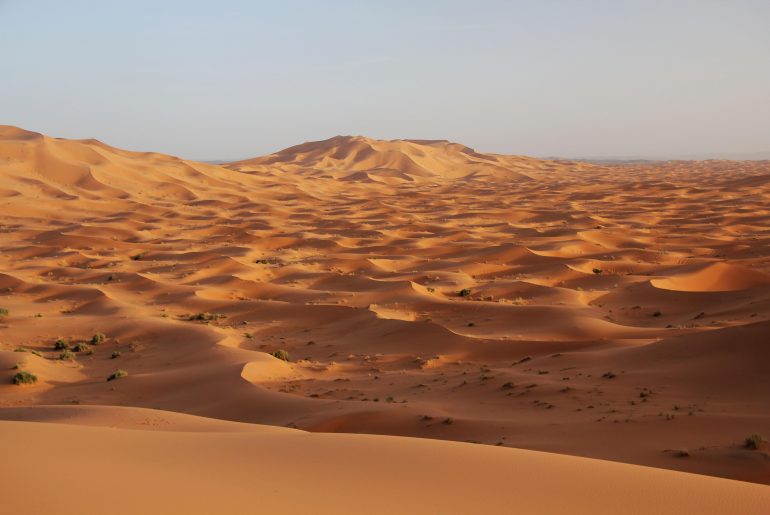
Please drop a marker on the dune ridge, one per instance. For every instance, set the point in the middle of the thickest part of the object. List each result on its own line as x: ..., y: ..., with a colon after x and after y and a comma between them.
x: 420, y: 288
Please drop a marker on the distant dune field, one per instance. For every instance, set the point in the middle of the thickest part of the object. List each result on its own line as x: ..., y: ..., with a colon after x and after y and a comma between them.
x: 618, y: 312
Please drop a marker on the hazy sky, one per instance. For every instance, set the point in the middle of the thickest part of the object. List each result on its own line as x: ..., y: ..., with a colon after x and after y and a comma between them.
x: 232, y: 79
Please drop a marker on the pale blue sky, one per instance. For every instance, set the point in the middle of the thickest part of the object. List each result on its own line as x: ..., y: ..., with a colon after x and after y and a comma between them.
x: 231, y: 79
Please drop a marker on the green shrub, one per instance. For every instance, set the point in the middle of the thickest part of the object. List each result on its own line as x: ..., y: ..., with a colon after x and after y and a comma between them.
x: 597, y: 270
x: 67, y: 355
x: 3, y: 312
x: 464, y: 292
x: 24, y: 377
x: 281, y: 354
x: 60, y: 344
x: 206, y: 316
x: 98, y: 338
x: 117, y: 375
x: 81, y: 347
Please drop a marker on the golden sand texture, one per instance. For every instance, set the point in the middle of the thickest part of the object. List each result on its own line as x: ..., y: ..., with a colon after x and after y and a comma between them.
x: 420, y: 288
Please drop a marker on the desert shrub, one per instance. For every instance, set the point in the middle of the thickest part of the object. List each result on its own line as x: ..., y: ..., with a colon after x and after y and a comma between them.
x: 206, y: 316
x: 67, y: 355
x: 98, y: 338
x: 60, y: 344
x: 81, y: 347
x: 23, y: 349
x: 136, y: 257
x: 24, y: 377
x: 115, y: 354
x: 597, y: 270
x: 657, y: 314
x: 522, y: 360
x: 609, y: 375
x: 754, y: 442
x: 4, y: 312
x: 117, y: 375
x: 281, y: 354
x: 464, y: 292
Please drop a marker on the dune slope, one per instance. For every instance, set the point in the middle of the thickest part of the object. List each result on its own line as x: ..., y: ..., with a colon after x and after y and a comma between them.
x: 216, y: 468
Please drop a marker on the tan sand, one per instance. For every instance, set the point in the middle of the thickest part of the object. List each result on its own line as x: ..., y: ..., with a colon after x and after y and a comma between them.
x: 613, y: 312
x: 184, y: 464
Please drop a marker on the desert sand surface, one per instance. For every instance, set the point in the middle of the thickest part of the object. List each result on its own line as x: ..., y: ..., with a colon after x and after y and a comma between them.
x: 189, y: 464
x: 421, y: 289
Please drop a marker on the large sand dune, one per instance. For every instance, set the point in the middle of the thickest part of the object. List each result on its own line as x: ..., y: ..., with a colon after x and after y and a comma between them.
x: 420, y: 288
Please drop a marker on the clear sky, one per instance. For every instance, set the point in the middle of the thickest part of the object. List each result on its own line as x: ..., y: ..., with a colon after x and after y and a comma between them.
x: 231, y: 79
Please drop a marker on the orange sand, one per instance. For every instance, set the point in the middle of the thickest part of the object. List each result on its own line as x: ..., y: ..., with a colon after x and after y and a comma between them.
x: 640, y: 295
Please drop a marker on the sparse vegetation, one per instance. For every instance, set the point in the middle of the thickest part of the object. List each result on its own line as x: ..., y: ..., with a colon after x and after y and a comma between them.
x: 522, y: 360
x: 23, y: 349
x: 98, y: 338
x: 281, y: 354
x: 24, y: 377
x: 4, y: 312
x: 115, y: 354
x: 136, y: 257
x: 609, y: 375
x: 207, y: 317
x: 597, y: 271
x: 657, y: 314
x: 117, y: 375
x: 465, y: 292
x: 67, y: 355
x: 60, y: 344
x: 754, y: 442
x: 82, y: 347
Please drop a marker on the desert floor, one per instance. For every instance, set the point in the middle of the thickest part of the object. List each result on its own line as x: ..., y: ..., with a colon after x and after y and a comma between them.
x: 420, y: 289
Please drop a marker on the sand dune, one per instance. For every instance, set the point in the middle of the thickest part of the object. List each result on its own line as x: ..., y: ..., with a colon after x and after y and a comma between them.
x: 260, y: 468
x: 420, y: 288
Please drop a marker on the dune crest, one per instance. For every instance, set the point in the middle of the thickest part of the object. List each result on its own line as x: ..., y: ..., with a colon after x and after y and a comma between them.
x: 714, y: 277
x: 361, y: 159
